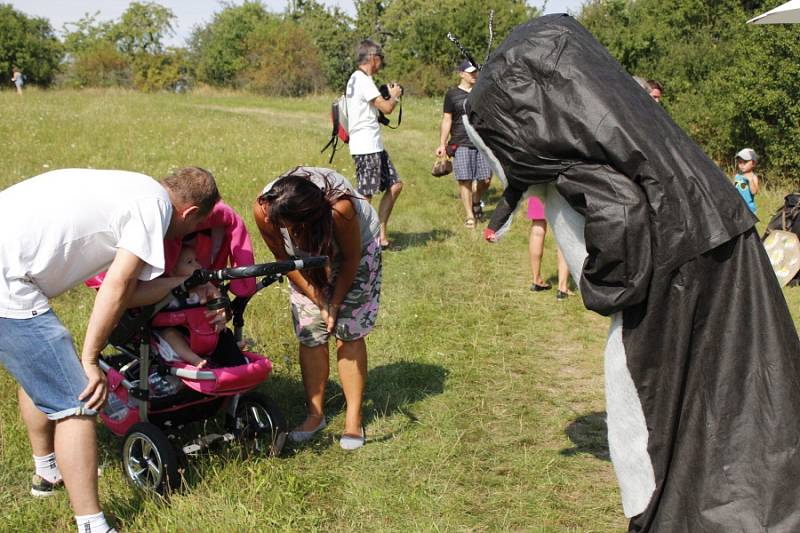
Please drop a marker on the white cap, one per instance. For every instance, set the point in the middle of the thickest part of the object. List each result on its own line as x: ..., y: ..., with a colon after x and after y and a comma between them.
x: 746, y: 154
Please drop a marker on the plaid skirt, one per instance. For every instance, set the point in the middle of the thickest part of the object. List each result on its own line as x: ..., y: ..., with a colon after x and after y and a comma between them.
x: 469, y: 164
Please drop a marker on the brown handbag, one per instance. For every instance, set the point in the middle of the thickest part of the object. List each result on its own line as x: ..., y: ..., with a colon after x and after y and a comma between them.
x: 442, y: 167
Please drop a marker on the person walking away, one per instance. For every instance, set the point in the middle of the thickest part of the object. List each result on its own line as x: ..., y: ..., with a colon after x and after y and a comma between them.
x: 374, y: 169
x: 469, y: 166
x: 88, y: 221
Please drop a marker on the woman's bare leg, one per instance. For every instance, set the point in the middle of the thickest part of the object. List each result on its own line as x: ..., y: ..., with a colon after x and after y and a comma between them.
x: 352, y: 357
x: 314, y: 366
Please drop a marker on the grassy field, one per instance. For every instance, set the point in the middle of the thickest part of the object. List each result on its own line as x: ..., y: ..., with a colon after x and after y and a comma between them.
x: 484, y: 406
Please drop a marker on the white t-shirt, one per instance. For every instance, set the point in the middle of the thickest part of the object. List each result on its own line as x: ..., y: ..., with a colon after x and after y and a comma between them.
x: 362, y: 116
x: 64, y: 226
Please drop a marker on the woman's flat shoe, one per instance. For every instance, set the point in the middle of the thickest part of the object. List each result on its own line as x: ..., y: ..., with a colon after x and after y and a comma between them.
x: 535, y: 287
x: 352, y: 442
x: 303, y: 436
x: 561, y: 295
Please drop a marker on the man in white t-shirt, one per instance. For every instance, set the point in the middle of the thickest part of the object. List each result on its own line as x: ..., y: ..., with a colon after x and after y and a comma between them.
x: 374, y: 170
x: 60, y: 228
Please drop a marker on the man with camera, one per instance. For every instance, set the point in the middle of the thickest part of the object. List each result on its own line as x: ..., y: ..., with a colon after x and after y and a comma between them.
x: 366, y: 105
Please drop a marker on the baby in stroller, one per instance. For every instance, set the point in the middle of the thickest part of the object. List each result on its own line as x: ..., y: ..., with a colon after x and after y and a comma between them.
x: 172, y: 342
x: 152, y: 396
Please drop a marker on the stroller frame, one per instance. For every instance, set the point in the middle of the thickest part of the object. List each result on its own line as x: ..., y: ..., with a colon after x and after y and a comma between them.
x: 150, y: 460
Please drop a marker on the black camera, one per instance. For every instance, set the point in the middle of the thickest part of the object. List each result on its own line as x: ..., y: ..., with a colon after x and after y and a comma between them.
x: 384, y: 90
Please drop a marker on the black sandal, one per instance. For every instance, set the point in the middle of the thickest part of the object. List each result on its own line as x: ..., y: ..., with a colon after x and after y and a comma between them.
x: 477, y: 210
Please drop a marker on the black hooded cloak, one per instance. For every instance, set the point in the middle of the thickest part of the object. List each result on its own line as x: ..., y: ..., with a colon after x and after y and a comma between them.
x: 708, y: 339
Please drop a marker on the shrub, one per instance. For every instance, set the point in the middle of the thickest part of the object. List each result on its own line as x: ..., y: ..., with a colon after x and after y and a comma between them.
x: 157, y: 72
x: 101, y: 65
x: 283, y: 61
x: 219, y: 49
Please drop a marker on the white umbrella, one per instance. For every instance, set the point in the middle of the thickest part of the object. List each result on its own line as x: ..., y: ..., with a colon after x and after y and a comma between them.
x: 787, y: 13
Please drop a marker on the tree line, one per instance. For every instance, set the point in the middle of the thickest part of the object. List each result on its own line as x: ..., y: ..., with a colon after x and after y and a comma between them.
x: 727, y: 84
x: 307, y: 48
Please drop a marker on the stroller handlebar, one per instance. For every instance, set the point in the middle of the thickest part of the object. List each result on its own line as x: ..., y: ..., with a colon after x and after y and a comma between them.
x: 253, y: 271
x: 130, y: 324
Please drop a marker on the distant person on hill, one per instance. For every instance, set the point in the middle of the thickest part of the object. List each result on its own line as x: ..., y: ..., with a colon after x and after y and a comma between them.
x: 746, y: 180
x: 469, y: 166
x: 374, y: 169
x: 18, y: 79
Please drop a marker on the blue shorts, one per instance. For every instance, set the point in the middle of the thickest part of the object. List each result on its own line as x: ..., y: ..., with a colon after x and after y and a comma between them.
x: 39, y: 354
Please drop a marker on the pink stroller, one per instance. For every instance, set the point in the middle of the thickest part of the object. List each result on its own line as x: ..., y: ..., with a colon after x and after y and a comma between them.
x: 151, y: 399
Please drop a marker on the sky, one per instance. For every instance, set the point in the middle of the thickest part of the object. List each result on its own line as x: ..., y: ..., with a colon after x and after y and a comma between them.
x: 189, y: 13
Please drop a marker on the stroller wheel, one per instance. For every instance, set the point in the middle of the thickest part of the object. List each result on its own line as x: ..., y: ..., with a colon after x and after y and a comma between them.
x: 260, y: 423
x: 149, y: 460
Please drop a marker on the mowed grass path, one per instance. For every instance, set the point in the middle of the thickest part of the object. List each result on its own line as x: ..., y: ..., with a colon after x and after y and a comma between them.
x: 484, y: 407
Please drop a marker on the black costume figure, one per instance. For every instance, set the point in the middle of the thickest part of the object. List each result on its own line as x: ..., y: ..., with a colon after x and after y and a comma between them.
x: 708, y: 440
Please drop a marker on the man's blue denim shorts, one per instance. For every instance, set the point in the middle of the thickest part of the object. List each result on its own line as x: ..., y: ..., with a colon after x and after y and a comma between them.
x: 38, y: 352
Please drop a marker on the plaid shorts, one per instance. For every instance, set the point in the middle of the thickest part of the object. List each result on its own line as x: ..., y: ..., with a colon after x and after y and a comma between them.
x: 374, y: 172
x: 469, y: 164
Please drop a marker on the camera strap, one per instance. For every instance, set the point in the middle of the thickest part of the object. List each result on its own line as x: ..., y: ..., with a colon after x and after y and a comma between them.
x: 385, y: 121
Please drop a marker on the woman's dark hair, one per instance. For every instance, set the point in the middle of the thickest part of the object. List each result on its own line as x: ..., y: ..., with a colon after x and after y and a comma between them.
x: 298, y: 203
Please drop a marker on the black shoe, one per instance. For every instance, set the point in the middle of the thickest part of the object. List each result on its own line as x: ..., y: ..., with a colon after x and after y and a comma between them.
x: 41, y: 488
x: 535, y: 287
x: 561, y: 296
x: 477, y: 210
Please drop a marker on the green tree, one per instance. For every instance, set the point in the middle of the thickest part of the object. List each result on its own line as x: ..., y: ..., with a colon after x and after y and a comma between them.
x: 99, y: 65
x: 283, y: 60
x: 219, y: 49
x: 94, y: 59
x: 332, y: 31
x: 29, y: 44
x: 369, y: 19
x: 142, y: 28
x: 156, y: 72
x: 415, y: 31
x: 86, y: 33
x: 728, y: 85
x: 125, y: 52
